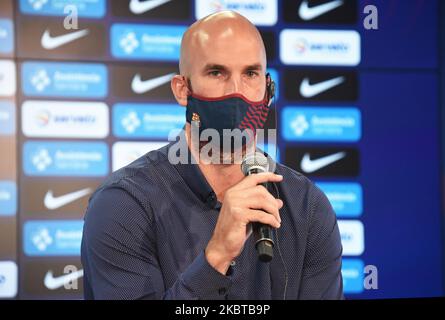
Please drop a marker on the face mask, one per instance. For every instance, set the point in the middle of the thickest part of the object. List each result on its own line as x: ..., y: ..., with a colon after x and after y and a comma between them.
x: 231, y: 112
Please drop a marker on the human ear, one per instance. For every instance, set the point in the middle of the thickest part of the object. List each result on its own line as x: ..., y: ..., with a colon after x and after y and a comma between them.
x: 180, y: 89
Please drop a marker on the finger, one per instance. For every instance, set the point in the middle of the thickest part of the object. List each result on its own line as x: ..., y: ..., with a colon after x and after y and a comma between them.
x: 261, y: 216
x: 258, y: 178
x: 268, y: 208
x: 271, y: 198
x: 259, y: 198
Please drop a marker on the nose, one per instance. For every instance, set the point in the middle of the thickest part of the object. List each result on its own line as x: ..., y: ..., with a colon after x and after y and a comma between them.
x: 233, y: 86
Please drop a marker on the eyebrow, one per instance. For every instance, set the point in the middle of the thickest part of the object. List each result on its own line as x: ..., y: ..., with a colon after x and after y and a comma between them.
x: 214, y: 66
x: 255, y: 67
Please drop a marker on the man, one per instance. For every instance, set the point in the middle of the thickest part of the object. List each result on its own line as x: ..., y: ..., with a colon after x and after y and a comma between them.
x: 157, y: 230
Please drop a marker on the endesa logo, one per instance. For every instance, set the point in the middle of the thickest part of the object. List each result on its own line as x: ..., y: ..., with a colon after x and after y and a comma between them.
x: 47, y: 158
x: 125, y: 153
x: 8, y: 198
x: 85, y: 8
x: 346, y: 198
x: 7, y: 78
x: 352, y: 237
x: 7, y: 118
x: 259, y: 12
x: 65, y: 119
x: 147, y: 121
x: 321, y: 124
x: 6, y: 36
x: 352, y: 271
x: 146, y: 42
x: 86, y: 80
x: 8, y: 279
x: 52, y: 238
x: 320, y: 47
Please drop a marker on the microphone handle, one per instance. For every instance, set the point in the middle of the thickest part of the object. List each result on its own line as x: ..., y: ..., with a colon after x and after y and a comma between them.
x: 263, y: 236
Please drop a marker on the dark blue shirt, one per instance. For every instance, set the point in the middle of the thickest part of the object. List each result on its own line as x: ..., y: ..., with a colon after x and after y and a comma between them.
x: 147, y: 225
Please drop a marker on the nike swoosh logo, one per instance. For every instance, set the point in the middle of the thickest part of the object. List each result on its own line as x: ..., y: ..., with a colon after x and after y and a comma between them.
x: 139, y: 86
x: 308, y: 90
x: 309, y: 166
x: 50, y: 43
x: 307, y: 13
x: 139, y: 7
x: 53, y: 283
x: 52, y: 202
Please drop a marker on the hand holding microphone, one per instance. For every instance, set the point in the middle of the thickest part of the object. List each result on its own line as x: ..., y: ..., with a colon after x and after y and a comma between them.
x: 254, y: 164
x: 246, y: 202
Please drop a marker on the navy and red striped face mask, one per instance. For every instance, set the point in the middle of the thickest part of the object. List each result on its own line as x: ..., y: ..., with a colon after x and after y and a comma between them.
x: 226, y: 113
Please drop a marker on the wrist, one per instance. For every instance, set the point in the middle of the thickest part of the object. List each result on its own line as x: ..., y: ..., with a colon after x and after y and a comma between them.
x: 217, y: 260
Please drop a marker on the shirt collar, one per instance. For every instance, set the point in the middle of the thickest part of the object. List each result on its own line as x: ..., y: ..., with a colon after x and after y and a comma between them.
x: 194, y: 178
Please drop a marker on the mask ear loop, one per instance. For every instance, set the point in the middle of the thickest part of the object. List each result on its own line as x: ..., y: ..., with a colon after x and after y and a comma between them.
x: 270, y: 91
x: 188, y: 85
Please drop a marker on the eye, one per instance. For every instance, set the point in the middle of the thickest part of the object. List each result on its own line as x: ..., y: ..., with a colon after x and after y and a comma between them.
x: 251, y: 73
x: 215, y: 73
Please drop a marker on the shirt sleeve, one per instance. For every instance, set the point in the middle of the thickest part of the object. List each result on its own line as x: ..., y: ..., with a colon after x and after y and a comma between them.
x: 119, y: 255
x: 321, y: 278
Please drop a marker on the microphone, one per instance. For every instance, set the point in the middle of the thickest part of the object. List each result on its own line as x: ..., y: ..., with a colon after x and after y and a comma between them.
x: 263, y: 237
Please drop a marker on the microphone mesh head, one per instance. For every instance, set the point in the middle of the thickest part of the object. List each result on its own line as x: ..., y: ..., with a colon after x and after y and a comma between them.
x: 255, y: 160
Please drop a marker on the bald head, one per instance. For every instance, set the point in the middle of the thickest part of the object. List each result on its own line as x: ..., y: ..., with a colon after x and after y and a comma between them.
x: 221, y: 54
x: 215, y: 32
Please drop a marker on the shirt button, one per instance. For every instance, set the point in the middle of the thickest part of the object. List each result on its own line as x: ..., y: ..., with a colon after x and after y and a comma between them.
x: 233, y: 263
x: 211, y: 199
x: 222, y: 291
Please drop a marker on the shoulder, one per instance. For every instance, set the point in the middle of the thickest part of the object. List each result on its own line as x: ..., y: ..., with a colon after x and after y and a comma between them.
x: 143, y: 167
x: 297, y: 181
x: 305, y: 193
x: 130, y: 187
x: 138, y: 176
